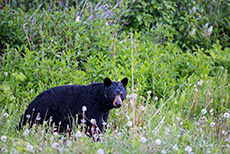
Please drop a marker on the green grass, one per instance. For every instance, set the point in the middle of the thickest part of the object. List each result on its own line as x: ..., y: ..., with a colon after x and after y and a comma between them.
x: 138, y: 125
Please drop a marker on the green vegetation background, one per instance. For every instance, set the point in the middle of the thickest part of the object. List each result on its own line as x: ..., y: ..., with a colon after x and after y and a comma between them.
x: 166, y: 47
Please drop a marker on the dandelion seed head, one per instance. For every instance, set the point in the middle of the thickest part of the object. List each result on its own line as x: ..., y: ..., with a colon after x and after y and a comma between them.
x: 38, y: 117
x: 212, y: 124
x: 149, y: 92
x: 4, y: 149
x: 6, y: 115
x: 134, y: 96
x: 143, y: 139
x: 175, y: 147
x: 55, y: 145
x: 28, y: 116
x: 30, y: 148
x: 158, y: 141
x: 100, y: 151
x: 78, y: 134
x: 203, y: 111
x: 129, y: 123
x: 69, y: 143
x: 200, y: 82
x: 93, y: 121
x: 3, y: 138
x: 226, y: 115
x: 142, y: 107
x: 188, y: 149
x: 84, y: 108
x: 25, y: 132
x: 163, y: 151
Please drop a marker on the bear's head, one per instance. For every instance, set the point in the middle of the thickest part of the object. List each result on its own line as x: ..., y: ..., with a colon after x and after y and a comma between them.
x: 115, y: 92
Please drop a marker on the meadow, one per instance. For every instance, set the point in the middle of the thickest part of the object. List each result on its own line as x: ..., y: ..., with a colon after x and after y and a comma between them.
x: 178, y: 98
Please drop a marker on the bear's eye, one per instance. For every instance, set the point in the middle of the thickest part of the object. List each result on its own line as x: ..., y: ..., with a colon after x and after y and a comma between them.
x: 121, y: 93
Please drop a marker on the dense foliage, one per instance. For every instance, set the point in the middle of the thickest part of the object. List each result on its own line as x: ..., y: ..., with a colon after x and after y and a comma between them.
x: 191, y: 24
x: 178, y: 92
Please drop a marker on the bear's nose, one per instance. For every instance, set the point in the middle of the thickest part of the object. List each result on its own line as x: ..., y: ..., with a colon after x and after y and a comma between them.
x: 118, y: 104
x: 117, y: 101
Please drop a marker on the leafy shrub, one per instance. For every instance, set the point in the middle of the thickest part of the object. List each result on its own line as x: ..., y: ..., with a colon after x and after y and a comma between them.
x: 188, y: 23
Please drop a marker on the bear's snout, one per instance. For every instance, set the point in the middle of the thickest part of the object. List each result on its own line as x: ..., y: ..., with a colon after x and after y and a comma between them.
x: 118, y: 104
x: 117, y: 101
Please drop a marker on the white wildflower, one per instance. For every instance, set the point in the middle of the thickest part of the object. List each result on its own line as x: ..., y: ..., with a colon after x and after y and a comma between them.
x: 69, y: 143
x: 4, y: 149
x: 38, y: 117
x: 96, y: 136
x: 163, y: 151
x: 143, y: 139
x: 84, y: 108
x: 28, y: 116
x: 100, y: 151
x: 55, y: 134
x: 6, y: 115
x: 31, y: 90
x: 78, y: 134
x: 30, y: 147
x: 226, y: 115
x: 224, y: 132
x: 175, y: 147
x: 177, y: 118
x: 142, y: 107
x: 149, y: 92
x: 194, y: 9
x: 181, y: 123
x: 55, y: 145
x: 212, y: 124
x: 77, y: 19
x: 200, y: 82
x: 192, y: 33
x: 26, y: 132
x: 208, y: 151
x: 196, y: 90
x: 158, y: 141
x: 129, y: 123
x: 211, y: 111
x: 203, y: 111
x: 175, y: 101
x: 156, y: 98
x: 93, y: 121
x: 134, y: 96
x: 6, y: 73
x: 210, y: 30
x: 3, y: 138
x: 206, y: 25
x: 188, y: 149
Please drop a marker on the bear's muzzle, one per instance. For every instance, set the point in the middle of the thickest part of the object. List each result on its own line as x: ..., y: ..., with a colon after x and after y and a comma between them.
x: 117, y: 101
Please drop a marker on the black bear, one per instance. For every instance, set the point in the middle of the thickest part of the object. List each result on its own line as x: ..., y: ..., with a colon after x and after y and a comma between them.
x: 64, y: 103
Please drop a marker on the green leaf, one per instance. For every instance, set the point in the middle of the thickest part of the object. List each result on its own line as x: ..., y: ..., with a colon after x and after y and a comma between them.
x: 19, y: 76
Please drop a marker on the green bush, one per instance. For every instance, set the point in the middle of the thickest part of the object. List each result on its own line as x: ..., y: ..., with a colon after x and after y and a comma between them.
x: 190, y: 24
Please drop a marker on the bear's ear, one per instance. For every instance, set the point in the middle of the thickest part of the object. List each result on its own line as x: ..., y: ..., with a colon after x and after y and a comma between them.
x: 124, y: 81
x: 107, y: 81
